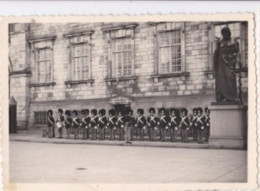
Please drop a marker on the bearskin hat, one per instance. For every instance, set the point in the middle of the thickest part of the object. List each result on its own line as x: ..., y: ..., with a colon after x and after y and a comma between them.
x: 162, y: 109
x: 102, y: 111
x: 195, y: 109
x: 67, y: 112
x: 94, y: 111
x: 75, y: 112
x: 184, y: 110
x: 83, y: 111
x: 173, y: 109
x: 199, y: 109
x: 112, y: 112
x: 141, y: 111
x: 50, y: 111
x: 87, y: 111
x: 151, y: 110
x: 60, y: 111
x: 207, y: 109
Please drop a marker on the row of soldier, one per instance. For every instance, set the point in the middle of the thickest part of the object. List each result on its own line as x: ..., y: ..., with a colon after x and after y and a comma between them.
x: 95, y: 124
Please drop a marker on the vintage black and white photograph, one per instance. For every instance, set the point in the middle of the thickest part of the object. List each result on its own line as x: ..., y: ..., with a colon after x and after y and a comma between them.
x: 131, y: 102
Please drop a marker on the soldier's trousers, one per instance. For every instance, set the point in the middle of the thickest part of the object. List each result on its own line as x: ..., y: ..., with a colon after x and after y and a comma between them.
x: 149, y: 132
x: 163, y: 134
x: 184, y: 134
x: 101, y: 133
x: 140, y: 132
x: 121, y: 133
x: 94, y: 134
x: 112, y: 133
x: 128, y: 129
x: 60, y: 132
x: 68, y: 132
x: 76, y: 133
x: 45, y: 131
x: 51, y: 132
x: 153, y: 132
x: 207, y: 133
x: 174, y: 134
x: 195, y: 133
x: 201, y: 135
x: 85, y: 133
x: 134, y: 132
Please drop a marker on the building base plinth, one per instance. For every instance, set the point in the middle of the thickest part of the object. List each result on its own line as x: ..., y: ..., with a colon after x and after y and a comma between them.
x: 228, y: 126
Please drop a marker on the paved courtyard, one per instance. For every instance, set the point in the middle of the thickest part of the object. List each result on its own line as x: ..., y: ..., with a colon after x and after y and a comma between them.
x: 78, y: 163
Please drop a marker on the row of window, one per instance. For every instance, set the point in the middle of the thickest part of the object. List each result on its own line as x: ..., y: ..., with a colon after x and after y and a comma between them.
x: 170, y: 53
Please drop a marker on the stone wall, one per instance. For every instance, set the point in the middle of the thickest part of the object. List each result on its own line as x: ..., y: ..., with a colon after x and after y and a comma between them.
x: 194, y: 88
x: 19, y: 73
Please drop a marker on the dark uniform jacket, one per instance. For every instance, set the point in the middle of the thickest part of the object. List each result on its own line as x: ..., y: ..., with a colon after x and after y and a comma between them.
x: 112, y: 122
x: 68, y: 122
x: 94, y: 121
x: 120, y: 122
x: 140, y: 122
x: 102, y: 121
x: 152, y: 121
x: 207, y: 121
x: 60, y: 119
x: 85, y: 121
x: 75, y: 122
x: 50, y: 121
x: 201, y: 122
x: 185, y: 122
x: 193, y: 121
x: 163, y: 121
x: 174, y: 122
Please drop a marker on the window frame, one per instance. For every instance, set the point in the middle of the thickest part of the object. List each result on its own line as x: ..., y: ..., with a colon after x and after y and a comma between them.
x: 115, y: 32
x: 73, y: 40
x: 170, y: 49
x: 114, y: 63
x: 45, y: 118
x: 35, y: 45
x: 160, y: 27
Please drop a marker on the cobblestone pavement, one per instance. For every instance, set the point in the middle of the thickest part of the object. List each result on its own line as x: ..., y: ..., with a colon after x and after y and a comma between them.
x: 82, y: 163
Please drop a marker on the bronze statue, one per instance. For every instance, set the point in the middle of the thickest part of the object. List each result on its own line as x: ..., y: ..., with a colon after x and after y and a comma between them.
x: 225, y: 61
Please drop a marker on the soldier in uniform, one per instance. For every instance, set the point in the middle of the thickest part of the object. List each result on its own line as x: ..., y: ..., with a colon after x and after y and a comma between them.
x: 112, y: 123
x: 94, y: 123
x: 140, y: 123
x: 85, y: 123
x: 207, y: 124
x: 68, y: 123
x: 152, y: 122
x: 75, y: 124
x: 133, y: 129
x: 82, y: 124
x: 60, y: 123
x: 128, y: 120
x: 184, y: 124
x: 163, y: 124
x: 102, y: 123
x: 120, y: 124
x: 51, y: 124
x: 193, y: 124
x: 174, y: 121
x: 201, y: 125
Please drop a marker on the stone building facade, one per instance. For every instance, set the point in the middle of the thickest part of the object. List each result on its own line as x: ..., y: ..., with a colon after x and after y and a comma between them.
x: 106, y: 65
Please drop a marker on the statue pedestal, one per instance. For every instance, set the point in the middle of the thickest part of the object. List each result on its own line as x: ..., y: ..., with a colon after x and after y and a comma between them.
x: 228, y: 126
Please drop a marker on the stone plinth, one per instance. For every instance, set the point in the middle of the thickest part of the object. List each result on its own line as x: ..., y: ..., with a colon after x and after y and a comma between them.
x: 228, y: 126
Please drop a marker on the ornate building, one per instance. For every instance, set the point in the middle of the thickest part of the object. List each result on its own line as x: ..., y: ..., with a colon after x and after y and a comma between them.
x: 105, y: 65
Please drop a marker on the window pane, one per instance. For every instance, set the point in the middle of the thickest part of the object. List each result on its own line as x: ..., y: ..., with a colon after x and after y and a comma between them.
x: 122, y: 63
x: 170, y: 56
x: 80, y: 62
